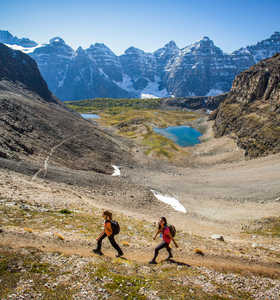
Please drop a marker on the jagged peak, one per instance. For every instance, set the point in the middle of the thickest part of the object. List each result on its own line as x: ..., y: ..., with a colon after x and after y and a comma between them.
x: 80, y: 50
x: 275, y: 35
x: 205, y: 38
x: 100, y: 48
x: 205, y: 41
x: 57, y: 40
x: 99, y: 45
x: 171, y: 44
x: 133, y: 50
x: 6, y: 33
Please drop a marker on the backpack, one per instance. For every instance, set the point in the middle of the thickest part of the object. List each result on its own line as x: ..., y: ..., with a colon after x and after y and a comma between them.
x: 172, y: 230
x: 115, y: 227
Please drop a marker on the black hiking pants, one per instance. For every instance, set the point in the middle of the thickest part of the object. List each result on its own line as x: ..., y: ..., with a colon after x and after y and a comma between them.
x: 161, y: 246
x: 112, y: 241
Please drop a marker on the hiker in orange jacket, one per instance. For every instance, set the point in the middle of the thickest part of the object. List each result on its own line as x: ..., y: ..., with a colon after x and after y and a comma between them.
x: 164, y: 230
x: 108, y: 232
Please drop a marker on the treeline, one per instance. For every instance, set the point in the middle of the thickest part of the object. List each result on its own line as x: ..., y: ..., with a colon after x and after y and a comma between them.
x: 106, y: 103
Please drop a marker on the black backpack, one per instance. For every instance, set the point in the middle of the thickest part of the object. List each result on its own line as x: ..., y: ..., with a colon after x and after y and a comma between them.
x: 115, y: 227
x: 172, y: 230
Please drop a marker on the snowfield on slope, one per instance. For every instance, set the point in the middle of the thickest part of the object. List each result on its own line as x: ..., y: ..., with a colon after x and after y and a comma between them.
x: 170, y: 201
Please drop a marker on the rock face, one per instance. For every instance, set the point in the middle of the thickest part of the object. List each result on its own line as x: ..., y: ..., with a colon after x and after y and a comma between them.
x: 20, y: 68
x: 209, y: 103
x: 54, y: 60
x: 200, y: 69
x: 34, y: 125
x: 251, y: 111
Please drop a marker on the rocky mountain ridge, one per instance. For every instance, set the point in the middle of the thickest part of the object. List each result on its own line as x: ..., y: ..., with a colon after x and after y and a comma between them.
x: 200, y: 69
x: 250, y: 112
x: 7, y: 38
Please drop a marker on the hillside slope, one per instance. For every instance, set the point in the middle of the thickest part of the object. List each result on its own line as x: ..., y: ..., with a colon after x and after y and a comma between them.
x: 250, y: 113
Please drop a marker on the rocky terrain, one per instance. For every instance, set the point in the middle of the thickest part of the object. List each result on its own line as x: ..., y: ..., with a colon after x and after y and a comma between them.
x: 199, y: 69
x: 48, y: 231
x: 250, y: 112
x: 195, y: 103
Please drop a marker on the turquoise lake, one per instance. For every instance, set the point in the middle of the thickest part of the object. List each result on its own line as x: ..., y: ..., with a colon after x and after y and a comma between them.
x: 90, y: 116
x: 183, y: 136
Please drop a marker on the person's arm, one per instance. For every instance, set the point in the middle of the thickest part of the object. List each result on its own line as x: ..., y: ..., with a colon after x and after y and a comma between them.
x: 171, y: 237
x: 159, y: 230
x: 100, y: 235
x: 176, y: 245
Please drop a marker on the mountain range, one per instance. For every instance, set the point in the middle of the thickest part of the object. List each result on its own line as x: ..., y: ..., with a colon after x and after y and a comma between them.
x: 200, y: 69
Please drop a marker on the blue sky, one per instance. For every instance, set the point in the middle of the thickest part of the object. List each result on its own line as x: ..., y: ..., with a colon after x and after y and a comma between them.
x: 145, y: 24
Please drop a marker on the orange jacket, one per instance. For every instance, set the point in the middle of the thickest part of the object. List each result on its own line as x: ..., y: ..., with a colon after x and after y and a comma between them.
x: 108, y: 228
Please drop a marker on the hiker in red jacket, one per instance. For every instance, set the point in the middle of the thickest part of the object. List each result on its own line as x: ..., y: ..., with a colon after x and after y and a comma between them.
x: 108, y: 232
x: 164, y: 230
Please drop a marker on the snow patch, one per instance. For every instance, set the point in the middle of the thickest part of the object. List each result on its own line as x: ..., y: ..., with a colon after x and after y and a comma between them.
x: 150, y: 91
x: 126, y: 83
x: 153, y: 89
x: 170, y: 201
x: 214, y: 92
x: 117, y: 171
x: 24, y: 49
x: 103, y: 73
x: 148, y: 96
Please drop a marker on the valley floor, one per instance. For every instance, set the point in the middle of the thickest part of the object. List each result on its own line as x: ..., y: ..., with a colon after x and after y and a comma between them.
x: 49, y: 225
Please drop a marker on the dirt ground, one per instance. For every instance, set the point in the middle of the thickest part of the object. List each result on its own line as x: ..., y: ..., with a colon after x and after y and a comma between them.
x: 221, y: 191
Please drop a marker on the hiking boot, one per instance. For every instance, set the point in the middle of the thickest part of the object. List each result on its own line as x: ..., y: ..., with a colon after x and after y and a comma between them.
x: 152, y: 262
x: 119, y: 254
x: 96, y: 251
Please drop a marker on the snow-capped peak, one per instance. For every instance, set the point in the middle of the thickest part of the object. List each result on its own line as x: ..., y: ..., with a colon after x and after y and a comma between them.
x: 171, y: 45
x: 100, y: 49
x: 80, y: 51
x: 275, y: 36
x: 205, y: 38
x: 133, y: 50
x: 99, y: 45
x: 57, y: 40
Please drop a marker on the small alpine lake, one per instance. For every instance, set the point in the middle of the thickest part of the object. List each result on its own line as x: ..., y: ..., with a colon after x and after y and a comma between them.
x: 183, y: 136
x: 90, y: 116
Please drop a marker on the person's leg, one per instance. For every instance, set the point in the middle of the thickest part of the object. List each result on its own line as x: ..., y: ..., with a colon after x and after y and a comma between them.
x: 115, y: 245
x: 99, y: 244
x: 169, y: 251
x: 159, y: 247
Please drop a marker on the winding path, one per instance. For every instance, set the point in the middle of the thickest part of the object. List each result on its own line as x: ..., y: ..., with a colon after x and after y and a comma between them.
x: 46, y: 161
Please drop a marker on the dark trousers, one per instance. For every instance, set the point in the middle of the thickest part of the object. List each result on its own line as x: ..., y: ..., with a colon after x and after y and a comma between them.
x: 161, y: 246
x: 112, y: 241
